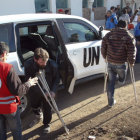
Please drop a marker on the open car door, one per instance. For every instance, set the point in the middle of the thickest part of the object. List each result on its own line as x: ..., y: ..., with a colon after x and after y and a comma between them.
x: 66, y: 68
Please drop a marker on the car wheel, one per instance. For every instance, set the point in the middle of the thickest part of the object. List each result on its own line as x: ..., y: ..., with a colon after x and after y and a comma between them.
x: 24, y: 106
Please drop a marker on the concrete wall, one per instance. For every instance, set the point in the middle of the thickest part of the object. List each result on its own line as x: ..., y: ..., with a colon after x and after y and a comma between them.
x: 134, y: 6
x: 87, y: 13
x: 8, y: 7
x: 53, y: 6
x: 137, y: 3
x: 109, y: 3
x: 76, y: 7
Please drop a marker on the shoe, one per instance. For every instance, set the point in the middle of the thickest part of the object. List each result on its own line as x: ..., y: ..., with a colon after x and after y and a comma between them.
x: 46, y: 129
x: 112, y: 104
x: 34, y: 122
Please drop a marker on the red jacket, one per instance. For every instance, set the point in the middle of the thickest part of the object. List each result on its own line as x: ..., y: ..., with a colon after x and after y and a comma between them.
x: 7, y: 100
x: 10, y: 87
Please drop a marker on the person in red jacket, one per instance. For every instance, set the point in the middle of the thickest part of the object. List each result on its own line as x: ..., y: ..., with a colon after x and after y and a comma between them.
x: 10, y: 88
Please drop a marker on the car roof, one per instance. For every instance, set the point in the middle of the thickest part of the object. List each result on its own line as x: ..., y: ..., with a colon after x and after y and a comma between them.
x: 22, y: 18
x: 32, y: 17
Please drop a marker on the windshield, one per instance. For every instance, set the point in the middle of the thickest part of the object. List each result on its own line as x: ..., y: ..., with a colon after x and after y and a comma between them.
x: 7, y: 35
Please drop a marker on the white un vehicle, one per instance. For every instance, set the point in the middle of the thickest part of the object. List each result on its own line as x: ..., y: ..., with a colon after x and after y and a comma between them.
x: 73, y: 42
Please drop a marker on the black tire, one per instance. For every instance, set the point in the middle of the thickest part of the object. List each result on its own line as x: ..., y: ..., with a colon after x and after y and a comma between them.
x: 25, y: 106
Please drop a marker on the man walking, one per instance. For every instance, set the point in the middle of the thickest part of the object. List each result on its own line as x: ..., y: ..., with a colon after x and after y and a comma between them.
x: 10, y: 88
x: 117, y: 48
x: 42, y: 62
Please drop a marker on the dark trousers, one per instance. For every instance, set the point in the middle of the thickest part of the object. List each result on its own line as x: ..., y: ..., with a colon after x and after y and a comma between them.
x: 37, y: 100
x: 14, y: 124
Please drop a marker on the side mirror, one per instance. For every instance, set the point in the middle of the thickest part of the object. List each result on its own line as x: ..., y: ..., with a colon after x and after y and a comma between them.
x: 101, y: 28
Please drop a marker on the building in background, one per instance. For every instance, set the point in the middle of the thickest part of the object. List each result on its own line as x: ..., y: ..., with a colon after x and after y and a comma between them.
x: 93, y: 10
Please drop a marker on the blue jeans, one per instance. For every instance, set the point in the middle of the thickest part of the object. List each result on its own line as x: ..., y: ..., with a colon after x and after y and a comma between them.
x: 14, y: 123
x: 113, y: 71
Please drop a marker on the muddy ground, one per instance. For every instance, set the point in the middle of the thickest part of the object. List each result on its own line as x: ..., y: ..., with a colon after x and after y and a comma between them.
x: 86, y: 113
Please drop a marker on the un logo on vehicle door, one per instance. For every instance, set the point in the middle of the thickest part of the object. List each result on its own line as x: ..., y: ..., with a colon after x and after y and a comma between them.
x: 0, y: 83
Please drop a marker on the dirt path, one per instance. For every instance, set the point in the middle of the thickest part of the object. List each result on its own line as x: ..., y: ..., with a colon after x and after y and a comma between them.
x: 86, y: 110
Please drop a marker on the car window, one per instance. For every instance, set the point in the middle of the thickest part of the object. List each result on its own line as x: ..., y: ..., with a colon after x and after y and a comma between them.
x: 79, y: 33
x: 23, y: 31
x: 4, y: 34
x: 32, y: 36
x: 7, y: 36
x: 41, y: 29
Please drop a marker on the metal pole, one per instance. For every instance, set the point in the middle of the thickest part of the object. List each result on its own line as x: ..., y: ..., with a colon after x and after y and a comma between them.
x: 133, y: 81
x: 105, y: 77
x: 48, y: 89
x: 53, y: 105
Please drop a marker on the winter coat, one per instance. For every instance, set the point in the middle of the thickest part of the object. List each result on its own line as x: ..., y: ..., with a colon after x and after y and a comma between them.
x: 111, y: 22
x: 118, y: 46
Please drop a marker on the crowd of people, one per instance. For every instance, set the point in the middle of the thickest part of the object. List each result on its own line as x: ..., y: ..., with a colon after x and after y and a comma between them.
x: 116, y: 13
x: 118, y: 47
x: 125, y: 14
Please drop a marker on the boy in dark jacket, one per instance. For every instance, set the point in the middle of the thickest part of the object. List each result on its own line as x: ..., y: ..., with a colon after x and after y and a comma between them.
x: 118, y: 47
